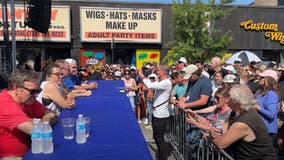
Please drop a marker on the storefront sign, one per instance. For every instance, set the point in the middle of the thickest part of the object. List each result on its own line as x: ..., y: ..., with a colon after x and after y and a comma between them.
x: 92, y: 56
x: 271, y: 30
x: 131, y: 25
x: 59, y: 30
x: 146, y: 55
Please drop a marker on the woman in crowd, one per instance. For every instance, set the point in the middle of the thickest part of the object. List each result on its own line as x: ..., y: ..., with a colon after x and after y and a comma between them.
x: 243, y: 75
x: 53, y: 95
x: 244, y: 132
x: 217, y: 117
x: 130, y: 86
x: 217, y: 82
x: 268, y: 102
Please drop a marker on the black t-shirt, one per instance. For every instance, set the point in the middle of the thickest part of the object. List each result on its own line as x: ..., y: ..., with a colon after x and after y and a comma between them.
x: 261, y: 147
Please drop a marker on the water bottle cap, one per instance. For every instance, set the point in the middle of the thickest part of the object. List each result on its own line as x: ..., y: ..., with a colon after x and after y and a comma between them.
x: 80, y: 115
x: 36, y: 120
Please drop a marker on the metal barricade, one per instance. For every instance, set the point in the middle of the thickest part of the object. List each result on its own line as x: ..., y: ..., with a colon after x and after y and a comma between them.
x: 182, y: 149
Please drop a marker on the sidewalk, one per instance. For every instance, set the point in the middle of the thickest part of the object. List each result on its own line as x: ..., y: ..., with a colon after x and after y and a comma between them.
x: 148, y: 135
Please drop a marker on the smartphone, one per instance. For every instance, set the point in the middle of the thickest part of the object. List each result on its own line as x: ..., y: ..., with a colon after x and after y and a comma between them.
x: 176, y: 96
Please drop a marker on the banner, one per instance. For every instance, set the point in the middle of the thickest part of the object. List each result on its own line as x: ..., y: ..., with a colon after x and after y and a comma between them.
x: 59, y: 30
x: 92, y: 56
x: 146, y: 55
x: 131, y: 25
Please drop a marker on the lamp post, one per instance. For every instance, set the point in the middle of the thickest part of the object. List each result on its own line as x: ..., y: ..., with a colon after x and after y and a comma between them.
x: 112, y: 46
x: 9, y: 60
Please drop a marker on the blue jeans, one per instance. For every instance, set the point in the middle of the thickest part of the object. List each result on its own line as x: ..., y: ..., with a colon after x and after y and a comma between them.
x: 150, y: 110
x: 131, y: 98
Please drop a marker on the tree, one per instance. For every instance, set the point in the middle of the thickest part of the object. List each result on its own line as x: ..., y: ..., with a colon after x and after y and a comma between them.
x: 195, y: 35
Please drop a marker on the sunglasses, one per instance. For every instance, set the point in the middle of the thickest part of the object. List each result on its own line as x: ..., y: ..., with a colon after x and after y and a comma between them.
x: 217, y: 98
x: 57, y: 74
x: 33, y: 91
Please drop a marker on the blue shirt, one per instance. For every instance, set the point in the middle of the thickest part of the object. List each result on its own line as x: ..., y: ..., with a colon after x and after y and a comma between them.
x: 269, y: 109
x: 179, y: 90
x: 68, y: 83
x: 194, y: 90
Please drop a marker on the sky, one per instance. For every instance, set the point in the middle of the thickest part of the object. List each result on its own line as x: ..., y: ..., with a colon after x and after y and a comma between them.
x: 237, y: 2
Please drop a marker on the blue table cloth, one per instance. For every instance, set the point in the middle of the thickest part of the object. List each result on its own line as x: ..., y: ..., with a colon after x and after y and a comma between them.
x: 115, y: 133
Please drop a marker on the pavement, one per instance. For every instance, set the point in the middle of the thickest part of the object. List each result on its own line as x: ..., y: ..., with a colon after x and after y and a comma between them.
x: 148, y: 135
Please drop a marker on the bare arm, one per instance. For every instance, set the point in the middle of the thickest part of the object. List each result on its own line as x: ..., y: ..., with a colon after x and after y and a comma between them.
x: 200, y: 102
x: 26, y: 127
x: 81, y: 93
x: 206, y: 110
x: 51, y: 92
x: 237, y: 131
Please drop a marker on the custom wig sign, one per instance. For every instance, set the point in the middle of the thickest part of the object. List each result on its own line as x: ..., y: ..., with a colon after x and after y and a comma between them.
x: 270, y: 30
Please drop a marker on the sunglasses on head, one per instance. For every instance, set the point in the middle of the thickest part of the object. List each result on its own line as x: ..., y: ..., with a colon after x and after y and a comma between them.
x: 33, y: 91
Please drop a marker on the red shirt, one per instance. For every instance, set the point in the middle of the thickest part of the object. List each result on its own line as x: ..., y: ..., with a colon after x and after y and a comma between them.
x: 14, y: 142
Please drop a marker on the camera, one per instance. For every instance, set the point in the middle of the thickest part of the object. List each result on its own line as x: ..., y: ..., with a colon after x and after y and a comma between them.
x: 146, y: 71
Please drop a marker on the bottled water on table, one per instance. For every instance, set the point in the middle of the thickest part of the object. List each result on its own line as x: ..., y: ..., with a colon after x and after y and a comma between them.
x: 36, y: 137
x: 80, y: 130
x: 47, y: 136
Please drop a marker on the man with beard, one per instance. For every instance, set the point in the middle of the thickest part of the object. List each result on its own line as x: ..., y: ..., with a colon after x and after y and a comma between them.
x: 198, y: 90
x: 197, y: 96
x: 17, y: 108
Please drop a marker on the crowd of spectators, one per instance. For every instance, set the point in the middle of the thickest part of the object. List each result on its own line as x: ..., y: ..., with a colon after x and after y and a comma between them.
x: 239, y: 106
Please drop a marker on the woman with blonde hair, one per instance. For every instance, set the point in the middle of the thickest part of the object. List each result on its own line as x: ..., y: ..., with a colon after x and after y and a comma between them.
x: 268, y: 102
x: 243, y: 75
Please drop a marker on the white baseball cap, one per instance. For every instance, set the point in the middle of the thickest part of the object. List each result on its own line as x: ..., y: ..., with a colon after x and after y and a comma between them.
x: 153, y: 75
x: 117, y: 74
x: 230, y: 68
x: 229, y: 78
x: 70, y: 61
x: 189, y: 70
x: 133, y: 67
x: 183, y: 60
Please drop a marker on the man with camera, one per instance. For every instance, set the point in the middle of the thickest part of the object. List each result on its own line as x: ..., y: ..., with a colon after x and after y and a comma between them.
x: 162, y: 89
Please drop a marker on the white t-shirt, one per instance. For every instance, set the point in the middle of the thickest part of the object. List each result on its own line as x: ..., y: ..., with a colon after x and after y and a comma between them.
x: 162, y: 93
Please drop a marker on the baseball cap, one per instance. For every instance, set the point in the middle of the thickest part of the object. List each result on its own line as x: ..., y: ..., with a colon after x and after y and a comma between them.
x: 70, y: 61
x: 189, y: 70
x: 153, y: 75
x: 117, y: 74
x: 182, y: 59
x: 114, y: 66
x: 238, y: 60
x: 230, y: 68
x: 269, y: 73
x: 133, y: 67
x: 262, y: 67
x: 281, y: 68
x: 229, y: 78
x: 257, y: 65
x: 148, y: 66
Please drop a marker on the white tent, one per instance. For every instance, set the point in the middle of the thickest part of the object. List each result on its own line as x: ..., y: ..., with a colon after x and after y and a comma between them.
x: 245, y: 56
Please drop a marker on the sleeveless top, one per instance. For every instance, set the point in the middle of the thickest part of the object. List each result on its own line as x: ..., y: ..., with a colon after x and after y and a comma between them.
x: 259, y: 148
x: 48, y: 102
x: 129, y: 84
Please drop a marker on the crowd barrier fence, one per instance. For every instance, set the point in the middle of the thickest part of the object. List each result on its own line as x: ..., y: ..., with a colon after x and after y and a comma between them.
x: 178, y: 134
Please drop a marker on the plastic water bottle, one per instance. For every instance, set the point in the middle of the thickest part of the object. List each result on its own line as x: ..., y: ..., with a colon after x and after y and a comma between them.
x: 80, y: 130
x: 47, y: 144
x: 36, y: 137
